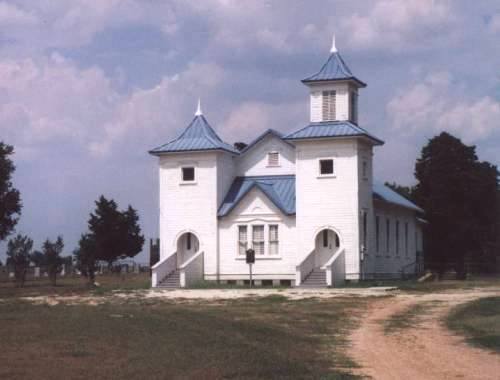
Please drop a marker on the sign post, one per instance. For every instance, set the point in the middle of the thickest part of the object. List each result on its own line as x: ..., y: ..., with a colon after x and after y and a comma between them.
x: 250, y: 260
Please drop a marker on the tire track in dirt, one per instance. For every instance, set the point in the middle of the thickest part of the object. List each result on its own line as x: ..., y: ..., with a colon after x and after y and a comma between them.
x: 427, y: 351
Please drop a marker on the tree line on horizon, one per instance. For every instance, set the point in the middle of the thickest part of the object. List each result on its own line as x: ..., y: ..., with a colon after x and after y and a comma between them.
x: 112, y: 234
x: 460, y: 196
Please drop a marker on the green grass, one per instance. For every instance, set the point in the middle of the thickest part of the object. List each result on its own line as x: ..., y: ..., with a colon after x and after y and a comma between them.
x: 271, y: 338
x: 479, y: 321
x: 428, y: 287
x: 70, y: 285
x: 408, y: 318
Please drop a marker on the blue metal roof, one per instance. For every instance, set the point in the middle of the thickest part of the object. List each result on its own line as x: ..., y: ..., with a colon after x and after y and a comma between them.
x: 279, y: 189
x: 271, y: 132
x: 330, y: 129
x: 334, y: 69
x: 198, y: 136
x: 386, y: 194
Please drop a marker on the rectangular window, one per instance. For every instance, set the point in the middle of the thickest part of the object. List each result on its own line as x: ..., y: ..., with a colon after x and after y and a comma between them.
x: 365, y: 170
x: 406, y: 239
x: 365, y: 229
x: 188, y: 174
x: 326, y: 167
x: 353, y: 107
x: 273, y: 159
x: 242, y: 239
x: 258, y: 239
x: 273, y: 239
x: 388, y: 235
x: 328, y: 106
x: 397, y: 237
x: 377, y: 233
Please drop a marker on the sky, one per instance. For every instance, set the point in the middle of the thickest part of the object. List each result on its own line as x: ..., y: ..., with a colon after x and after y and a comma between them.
x: 87, y: 87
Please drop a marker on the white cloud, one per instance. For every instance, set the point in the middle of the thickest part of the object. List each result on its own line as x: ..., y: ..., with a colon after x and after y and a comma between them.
x: 13, y: 16
x: 438, y: 103
x: 51, y: 101
x: 398, y: 25
x: 246, y: 121
x: 494, y: 23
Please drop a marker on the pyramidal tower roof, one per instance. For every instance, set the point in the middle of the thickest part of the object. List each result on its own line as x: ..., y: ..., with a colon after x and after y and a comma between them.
x: 334, y: 69
x: 198, y: 136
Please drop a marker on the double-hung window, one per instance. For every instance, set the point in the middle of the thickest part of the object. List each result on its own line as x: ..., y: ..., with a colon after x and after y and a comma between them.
x: 273, y: 239
x: 397, y: 237
x: 258, y: 239
x: 388, y: 236
x: 242, y: 239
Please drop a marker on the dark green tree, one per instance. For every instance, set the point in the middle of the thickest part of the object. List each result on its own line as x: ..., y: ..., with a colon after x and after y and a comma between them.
x: 38, y: 258
x: 458, y: 194
x: 406, y: 191
x: 85, y: 257
x: 10, y: 199
x: 52, y: 255
x: 18, y: 255
x: 116, y: 234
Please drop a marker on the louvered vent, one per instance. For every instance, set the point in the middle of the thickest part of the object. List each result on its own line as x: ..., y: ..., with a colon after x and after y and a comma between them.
x: 273, y: 159
x: 328, y: 106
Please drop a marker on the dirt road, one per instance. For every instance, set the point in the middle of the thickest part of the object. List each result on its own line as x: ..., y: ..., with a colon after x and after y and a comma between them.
x: 427, y: 350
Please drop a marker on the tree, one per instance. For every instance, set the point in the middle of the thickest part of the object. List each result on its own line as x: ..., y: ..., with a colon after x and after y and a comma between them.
x: 52, y: 255
x: 85, y: 257
x: 38, y: 258
x: 10, y: 199
x: 406, y: 191
x: 458, y: 194
x: 18, y: 255
x: 115, y: 234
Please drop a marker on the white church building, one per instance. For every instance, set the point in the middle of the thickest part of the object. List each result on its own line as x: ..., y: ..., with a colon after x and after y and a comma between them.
x: 306, y: 202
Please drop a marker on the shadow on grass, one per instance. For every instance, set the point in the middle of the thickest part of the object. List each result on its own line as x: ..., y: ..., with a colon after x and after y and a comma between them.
x: 479, y: 321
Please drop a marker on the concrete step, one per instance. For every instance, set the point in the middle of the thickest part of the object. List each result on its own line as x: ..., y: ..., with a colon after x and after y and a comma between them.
x: 172, y: 281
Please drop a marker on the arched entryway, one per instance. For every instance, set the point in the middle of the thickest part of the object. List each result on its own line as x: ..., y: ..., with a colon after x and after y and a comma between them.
x: 327, y: 242
x: 187, y: 245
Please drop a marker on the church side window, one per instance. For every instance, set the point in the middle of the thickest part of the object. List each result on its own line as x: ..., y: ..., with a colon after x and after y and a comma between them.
x: 328, y: 106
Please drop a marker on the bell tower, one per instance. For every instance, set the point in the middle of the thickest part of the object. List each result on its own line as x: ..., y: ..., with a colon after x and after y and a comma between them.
x: 334, y: 91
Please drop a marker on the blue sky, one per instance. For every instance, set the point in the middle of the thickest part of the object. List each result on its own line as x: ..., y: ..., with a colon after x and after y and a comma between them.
x: 88, y: 86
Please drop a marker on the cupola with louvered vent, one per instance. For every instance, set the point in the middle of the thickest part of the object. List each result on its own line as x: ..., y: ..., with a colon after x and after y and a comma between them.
x: 334, y: 91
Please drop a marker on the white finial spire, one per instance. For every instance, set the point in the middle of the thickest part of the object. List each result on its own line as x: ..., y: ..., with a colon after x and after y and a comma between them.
x: 334, y: 48
x: 198, y: 110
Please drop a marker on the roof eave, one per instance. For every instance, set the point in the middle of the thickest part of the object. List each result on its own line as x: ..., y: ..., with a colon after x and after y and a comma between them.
x: 162, y: 153
x: 371, y: 138
x: 309, y: 81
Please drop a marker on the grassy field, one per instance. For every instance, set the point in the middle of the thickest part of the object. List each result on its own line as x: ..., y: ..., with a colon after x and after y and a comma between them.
x: 76, y: 285
x: 479, y: 321
x: 249, y: 338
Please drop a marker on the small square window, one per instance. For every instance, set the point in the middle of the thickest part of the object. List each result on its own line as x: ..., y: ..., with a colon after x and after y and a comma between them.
x: 273, y: 159
x: 188, y: 174
x: 326, y: 167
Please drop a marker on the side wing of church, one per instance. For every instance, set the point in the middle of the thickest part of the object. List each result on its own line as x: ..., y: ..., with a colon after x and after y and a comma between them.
x: 305, y: 202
